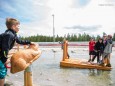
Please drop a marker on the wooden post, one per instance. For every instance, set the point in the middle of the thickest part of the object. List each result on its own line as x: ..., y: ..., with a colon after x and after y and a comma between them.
x: 65, y: 50
x: 18, y: 47
x: 28, y: 76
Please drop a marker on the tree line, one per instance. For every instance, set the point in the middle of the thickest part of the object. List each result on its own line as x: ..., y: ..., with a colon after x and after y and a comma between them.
x: 72, y: 38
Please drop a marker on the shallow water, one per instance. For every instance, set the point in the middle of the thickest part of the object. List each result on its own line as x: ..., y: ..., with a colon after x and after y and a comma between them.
x: 47, y: 71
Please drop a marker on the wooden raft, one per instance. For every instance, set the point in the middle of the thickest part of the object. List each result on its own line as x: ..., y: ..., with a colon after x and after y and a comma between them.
x: 78, y: 63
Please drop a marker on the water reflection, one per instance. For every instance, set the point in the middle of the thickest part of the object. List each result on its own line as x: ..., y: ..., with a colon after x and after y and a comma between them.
x: 54, y: 51
x: 97, y: 76
x: 95, y: 72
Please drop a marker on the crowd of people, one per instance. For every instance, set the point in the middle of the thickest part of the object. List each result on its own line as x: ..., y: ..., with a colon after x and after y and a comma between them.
x: 101, y: 49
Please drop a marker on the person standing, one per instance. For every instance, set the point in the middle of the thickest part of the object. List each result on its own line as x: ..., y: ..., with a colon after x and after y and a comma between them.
x: 91, y: 49
x: 9, y: 37
x: 107, y: 52
x: 99, y: 46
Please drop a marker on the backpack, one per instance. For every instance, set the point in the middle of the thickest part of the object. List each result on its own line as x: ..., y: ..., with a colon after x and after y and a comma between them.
x: 1, y: 37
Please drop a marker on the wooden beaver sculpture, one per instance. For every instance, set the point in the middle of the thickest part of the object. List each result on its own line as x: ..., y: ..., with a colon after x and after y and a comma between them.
x: 23, y: 58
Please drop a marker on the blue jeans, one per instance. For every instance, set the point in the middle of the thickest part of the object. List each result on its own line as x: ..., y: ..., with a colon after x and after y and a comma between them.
x: 3, y: 70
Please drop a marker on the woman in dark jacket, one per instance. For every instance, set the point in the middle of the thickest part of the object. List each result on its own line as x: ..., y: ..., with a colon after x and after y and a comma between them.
x: 99, y: 46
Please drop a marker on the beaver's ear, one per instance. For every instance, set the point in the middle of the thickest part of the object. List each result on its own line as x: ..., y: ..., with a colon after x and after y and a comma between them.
x: 35, y: 53
x: 34, y: 47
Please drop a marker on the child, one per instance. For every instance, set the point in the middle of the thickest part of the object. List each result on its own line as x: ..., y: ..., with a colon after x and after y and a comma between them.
x: 91, y: 48
x: 8, y: 39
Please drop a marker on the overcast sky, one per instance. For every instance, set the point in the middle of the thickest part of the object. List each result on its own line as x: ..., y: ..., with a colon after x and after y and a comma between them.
x: 70, y: 16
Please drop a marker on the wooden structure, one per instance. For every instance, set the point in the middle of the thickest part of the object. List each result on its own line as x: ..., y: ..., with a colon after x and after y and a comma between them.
x: 28, y: 76
x: 28, y: 81
x: 78, y: 63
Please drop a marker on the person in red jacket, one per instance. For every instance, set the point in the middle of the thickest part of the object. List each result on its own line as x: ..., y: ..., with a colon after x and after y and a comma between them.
x: 91, y: 49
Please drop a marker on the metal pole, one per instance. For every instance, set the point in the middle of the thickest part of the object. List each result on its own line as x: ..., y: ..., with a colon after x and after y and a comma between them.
x: 28, y: 76
x: 53, y: 29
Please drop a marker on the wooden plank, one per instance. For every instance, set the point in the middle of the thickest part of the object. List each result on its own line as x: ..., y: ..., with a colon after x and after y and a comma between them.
x: 80, y: 63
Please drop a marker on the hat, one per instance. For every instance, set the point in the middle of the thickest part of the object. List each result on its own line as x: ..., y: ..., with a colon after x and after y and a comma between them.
x: 23, y: 58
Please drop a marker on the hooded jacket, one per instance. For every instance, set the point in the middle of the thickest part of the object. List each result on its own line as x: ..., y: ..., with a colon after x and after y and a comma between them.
x: 108, y: 47
x: 8, y: 40
x: 99, y: 46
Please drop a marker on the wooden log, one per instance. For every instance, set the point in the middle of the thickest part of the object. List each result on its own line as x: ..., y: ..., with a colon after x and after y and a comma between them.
x: 28, y: 76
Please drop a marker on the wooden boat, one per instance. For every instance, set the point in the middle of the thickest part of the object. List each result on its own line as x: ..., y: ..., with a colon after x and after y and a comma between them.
x: 78, y: 63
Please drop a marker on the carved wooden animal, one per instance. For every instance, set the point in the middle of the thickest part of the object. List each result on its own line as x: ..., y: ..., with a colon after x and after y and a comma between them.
x: 23, y: 58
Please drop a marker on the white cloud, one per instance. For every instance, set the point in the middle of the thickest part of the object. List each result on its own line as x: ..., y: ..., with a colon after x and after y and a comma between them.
x: 68, y: 14
x: 93, y: 14
x: 90, y: 15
